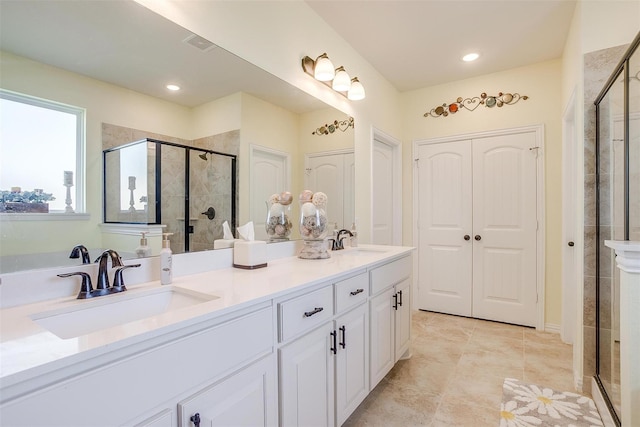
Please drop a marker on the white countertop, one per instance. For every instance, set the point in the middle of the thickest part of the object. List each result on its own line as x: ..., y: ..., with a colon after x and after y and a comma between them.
x: 28, y: 350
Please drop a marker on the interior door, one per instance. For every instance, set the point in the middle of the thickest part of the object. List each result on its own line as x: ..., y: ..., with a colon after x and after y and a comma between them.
x: 269, y: 174
x: 445, y: 220
x: 504, y: 228
x: 333, y: 174
x: 382, y: 200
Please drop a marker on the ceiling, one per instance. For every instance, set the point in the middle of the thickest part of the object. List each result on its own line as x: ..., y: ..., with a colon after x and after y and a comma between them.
x: 420, y: 43
x: 142, y: 52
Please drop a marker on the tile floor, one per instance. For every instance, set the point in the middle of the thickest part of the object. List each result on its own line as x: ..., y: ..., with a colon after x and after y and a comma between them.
x: 455, y: 374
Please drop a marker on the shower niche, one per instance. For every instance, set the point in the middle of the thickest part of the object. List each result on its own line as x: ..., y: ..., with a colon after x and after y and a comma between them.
x: 190, y: 191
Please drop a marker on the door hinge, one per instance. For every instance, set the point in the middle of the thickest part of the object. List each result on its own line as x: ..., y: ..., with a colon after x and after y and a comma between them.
x: 536, y: 297
x: 417, y: 162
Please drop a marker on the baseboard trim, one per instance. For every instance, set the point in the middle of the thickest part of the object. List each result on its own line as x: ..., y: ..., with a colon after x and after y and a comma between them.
x: 552, y: 328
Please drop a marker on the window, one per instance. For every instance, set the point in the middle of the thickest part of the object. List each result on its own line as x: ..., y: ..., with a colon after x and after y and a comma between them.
x: 40, y: 143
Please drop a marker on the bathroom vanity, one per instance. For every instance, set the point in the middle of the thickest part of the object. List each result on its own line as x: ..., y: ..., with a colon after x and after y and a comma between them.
x: 301, y: 342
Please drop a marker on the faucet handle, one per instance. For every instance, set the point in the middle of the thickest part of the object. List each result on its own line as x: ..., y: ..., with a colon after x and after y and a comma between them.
x: 85, y: 288
x: 118, y: 281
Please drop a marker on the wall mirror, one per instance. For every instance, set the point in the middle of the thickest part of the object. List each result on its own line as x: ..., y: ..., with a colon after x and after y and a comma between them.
x: 73, y: 53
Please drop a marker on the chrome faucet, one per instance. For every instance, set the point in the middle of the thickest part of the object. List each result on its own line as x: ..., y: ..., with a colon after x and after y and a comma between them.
x: 338, y: 242
x: 102, y: 285
x: 80, y: 250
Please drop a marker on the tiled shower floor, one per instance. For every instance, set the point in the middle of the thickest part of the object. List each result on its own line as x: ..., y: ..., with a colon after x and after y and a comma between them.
x: 455, y: 375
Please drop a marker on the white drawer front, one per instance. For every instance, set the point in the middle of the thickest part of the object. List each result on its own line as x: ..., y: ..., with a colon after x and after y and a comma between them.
x: 390, y: 274
x: 304, y: 312
x: 351, y: 292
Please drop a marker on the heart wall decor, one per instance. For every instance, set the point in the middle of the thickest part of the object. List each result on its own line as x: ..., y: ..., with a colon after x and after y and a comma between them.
x: 471, y: 104
x: 342, y: 125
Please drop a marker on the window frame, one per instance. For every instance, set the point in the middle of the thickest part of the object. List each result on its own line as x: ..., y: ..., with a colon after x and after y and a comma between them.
x: 80, y: 113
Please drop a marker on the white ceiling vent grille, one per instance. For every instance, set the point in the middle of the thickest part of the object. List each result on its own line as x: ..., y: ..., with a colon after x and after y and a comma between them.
x: 199, y: 42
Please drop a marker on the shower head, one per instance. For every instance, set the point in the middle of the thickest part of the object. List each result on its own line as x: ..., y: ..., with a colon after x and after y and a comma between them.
x: 203, y: 156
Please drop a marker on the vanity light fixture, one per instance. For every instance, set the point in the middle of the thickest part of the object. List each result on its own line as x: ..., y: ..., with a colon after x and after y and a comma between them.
x: 173, y: 87
x: 338, y: 79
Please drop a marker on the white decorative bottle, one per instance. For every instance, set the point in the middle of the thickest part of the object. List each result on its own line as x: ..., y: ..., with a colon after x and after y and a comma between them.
x: 354, y: 236
x: 143, y: 250
x: 166, y: 270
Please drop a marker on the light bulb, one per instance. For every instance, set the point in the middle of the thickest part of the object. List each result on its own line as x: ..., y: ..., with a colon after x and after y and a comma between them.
x: 342, y: 81
x: 470, y: 57
x: 356, y: 93
x: 323, y: 70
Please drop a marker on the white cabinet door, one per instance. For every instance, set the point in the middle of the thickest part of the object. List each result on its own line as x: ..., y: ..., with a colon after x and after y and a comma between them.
x: 307, y: 379
x: 165, y: 418
x: 352, y: 361
x: 248, y: 398
x: 382, y: 354
x: 403, y: 318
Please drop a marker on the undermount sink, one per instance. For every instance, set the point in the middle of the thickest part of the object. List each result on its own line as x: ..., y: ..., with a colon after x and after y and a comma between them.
x: 118, y: 309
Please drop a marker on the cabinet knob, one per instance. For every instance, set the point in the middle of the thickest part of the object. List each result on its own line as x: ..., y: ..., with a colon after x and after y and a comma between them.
x: 195, y: 419
x: 467, y: 237
x: 478, y: 237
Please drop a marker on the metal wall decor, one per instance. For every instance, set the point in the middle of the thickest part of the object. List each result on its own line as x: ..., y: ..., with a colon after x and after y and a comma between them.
x: 473, y: 103
x: 342, y: 125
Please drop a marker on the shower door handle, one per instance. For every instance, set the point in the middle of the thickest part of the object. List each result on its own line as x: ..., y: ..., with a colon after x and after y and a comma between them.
x: 210, y: 213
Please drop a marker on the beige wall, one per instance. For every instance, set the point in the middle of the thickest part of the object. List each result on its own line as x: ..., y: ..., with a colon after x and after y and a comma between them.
x: 541, y: 82
x: 103, y: 103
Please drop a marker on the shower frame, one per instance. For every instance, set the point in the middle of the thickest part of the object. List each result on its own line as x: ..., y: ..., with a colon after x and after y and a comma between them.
x: 621, y: 70
x: 158, y: 182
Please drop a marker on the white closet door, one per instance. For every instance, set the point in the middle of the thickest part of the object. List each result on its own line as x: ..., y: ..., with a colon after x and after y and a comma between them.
x: 445, y: 216
x: 504, y: 228
x: 382, y: 197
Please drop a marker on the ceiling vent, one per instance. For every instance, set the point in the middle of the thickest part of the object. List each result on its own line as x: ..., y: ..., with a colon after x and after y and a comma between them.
x: 199, y: 42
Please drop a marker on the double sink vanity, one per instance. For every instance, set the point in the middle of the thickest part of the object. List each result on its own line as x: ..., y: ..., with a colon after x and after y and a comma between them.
x: 300, y: 342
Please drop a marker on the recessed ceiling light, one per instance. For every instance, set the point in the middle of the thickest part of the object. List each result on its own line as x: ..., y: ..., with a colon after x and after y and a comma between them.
x: 470, y: 57
x: 173, y: 87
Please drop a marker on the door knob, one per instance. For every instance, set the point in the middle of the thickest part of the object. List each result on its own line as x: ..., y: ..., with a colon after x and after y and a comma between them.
x: 571, y: 244
x: 467, y: 237
x: 478, y: 237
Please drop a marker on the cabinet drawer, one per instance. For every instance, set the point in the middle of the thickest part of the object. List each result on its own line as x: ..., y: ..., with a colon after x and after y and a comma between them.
x: 390, y: 274
x: 351, y: 292
x: 304, y: 312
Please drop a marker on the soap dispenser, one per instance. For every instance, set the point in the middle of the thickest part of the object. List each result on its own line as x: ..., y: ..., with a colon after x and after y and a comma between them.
x: 354, y: 236
x: 143, y: 250
x: 166, y: 270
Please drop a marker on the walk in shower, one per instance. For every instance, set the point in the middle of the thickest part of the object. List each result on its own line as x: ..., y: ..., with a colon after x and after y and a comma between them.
x: 618, y: 209
x: 189, y: 190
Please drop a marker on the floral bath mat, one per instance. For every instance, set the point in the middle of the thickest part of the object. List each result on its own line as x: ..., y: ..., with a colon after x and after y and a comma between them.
x: 529, y: 405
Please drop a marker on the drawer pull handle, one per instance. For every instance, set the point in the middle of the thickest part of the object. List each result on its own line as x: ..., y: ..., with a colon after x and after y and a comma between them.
x: 357, y: 291
x: 343, y: 329
x: 395, y: 301
x: 195, y: 419
x: 315, y: 311
x: 400, y: 302
x: 333, y: 338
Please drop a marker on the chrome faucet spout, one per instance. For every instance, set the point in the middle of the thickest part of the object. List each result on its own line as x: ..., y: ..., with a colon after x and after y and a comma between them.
x: 80, y: 250
x: 102, y: 285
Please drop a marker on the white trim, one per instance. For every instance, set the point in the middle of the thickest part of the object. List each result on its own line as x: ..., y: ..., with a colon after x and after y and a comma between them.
x: 151, y: 230
x: 540, y: 196
x: 396, y: 146
x: 570, y: 229
x: 552, y: 328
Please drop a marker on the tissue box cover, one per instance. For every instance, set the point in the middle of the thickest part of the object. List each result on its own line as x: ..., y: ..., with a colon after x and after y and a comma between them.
x: 250, y: 254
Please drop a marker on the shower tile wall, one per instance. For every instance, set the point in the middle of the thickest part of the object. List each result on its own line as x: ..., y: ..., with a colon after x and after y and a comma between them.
x: 598, y: 66
x: 211, y: 187
x: 209, y: 182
